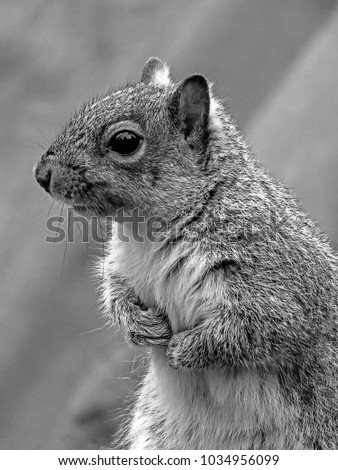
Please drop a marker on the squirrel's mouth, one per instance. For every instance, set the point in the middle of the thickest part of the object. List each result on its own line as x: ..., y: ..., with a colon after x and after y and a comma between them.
x: 90, y: 210
x: 103, y: 208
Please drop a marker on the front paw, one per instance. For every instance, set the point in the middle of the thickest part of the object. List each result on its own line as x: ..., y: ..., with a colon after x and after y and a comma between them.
x: 187, y: 350
x: 141, y: 340
x: 147, y: 327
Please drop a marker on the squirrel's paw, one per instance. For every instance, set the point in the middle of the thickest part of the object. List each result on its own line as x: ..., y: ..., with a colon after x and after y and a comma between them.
x: 142, y: 340
x: 186, y: 350
x: 147, y: 327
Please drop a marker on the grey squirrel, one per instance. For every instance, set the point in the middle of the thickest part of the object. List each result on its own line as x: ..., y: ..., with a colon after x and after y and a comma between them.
x: 235, y: 301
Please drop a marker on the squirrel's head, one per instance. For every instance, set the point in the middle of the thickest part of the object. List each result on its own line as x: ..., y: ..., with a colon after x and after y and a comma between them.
x: 144, y: 146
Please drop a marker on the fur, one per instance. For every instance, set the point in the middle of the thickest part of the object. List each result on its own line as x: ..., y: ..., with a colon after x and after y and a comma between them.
x: 235, y: 299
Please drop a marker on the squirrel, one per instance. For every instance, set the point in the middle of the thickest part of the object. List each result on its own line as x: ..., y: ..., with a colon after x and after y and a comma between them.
x: 220, y: 275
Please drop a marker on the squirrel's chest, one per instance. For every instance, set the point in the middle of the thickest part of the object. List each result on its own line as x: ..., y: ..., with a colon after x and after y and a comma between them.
x: 167, y: 278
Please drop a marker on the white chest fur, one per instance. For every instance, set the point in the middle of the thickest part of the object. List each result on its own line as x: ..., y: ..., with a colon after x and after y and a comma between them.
x: 231, y: 408
x: 210, y: 409
x: 166, y: 276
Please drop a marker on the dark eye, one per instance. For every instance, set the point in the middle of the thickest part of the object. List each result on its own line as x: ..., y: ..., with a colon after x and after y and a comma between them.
x: 124, y: 142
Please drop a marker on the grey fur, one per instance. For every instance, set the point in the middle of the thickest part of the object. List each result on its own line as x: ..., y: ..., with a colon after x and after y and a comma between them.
x: 240, y: 289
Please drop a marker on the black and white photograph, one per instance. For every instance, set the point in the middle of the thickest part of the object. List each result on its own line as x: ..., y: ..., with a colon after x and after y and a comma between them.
x: 169, y: 228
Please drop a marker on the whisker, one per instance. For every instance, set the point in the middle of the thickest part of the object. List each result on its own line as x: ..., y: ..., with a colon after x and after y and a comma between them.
x: 36, y: 144
x: 133, y: 362
x: 43, y: 136
x: 92, y: 331
x: 64, y: 255
x: 60, y: 217
x: 66, y: 244
x: 50, y: 208
x: 88, y: 241
x: 79, y: 229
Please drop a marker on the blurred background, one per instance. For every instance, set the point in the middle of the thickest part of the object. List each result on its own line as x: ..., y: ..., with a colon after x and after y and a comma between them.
x: 63, y: 378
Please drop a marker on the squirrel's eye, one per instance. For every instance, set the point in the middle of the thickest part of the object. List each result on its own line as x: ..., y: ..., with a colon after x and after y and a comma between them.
x: 124, y: 142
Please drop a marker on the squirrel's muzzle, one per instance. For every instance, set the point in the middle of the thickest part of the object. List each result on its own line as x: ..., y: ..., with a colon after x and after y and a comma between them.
x: 43, y: 175
x: 43, y: 170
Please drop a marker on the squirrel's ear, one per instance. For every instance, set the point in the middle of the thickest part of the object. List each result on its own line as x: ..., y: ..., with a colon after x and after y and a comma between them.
x: 192, y: 103
x: 156, y: 72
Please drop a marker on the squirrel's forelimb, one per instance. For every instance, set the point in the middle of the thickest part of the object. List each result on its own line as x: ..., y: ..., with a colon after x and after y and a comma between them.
x: 140, y: 325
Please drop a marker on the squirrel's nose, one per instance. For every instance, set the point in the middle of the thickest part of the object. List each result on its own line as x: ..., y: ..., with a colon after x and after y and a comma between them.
x: 43, y: 175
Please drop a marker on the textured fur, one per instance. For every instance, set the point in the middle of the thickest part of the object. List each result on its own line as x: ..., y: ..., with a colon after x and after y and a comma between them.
x: 236, y: 300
